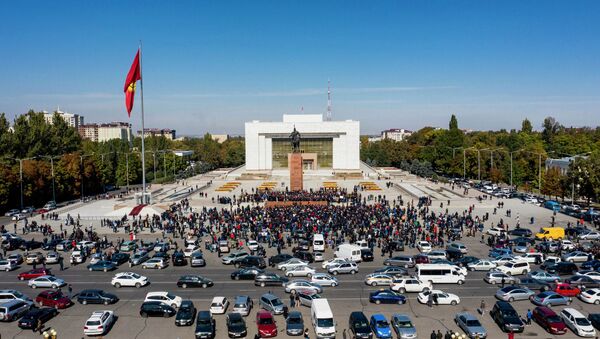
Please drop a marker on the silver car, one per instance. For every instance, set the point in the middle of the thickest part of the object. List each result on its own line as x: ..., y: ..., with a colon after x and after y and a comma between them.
x: 403, y: 326
x: 138, y: 258
x: 348, y: 267
x: 7, y: 265
x: 302, y: 285
x: 470, y: 324
x: 512, y: 293
x: 243, y: 304
x: 324, y: 279
x: 495, y: 277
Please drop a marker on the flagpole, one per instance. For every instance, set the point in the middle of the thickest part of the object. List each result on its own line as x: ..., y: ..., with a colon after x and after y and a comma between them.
x: 143, y: 130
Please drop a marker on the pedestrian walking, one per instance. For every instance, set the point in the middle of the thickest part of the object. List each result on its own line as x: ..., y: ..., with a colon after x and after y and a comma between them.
x: 61, y: 263
x: 430, y: 300
x: 503, y: 282
x: 70, y: 290
x: 306, y: 333
x: 529, y: 316
x: 439, y: 335
x: 482, y: 307
x: 433, y: 335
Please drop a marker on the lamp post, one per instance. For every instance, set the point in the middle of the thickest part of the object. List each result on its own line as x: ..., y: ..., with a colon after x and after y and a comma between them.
x: 52, y: 173
x: 82, y: 171
x: 21, y: 175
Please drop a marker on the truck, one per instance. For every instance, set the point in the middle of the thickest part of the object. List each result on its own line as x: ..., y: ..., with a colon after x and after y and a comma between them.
x: 349, y: 251
x: 550, y: 233
x: 322, y: 319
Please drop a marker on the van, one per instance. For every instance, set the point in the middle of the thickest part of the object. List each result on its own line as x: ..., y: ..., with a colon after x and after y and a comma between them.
x: 13, y: 310
x: 322, y: 319
x: 550, y: 233
x: 223, y: 246
x: 552, y: 205
x: 318, y: 243
x: 349, y: 251
x: 363, y: 244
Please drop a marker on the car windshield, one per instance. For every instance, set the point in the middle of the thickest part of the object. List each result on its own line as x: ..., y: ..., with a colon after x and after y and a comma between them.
x: 554, y: 319
x: 265, y: 321
x: 204, y: 322
x: 215, y: 305
x: 239, y: 306
x: 170, y: 296
x: 382, y: 323
x: 276, y: 302
x: 135, y: 275
x: 473, y: 323
x: 325, y: 322
x: 582, y: 322
x: 510, y: 313
x: 404, y: 324
x: 237, y: 322
x: 294, y: 320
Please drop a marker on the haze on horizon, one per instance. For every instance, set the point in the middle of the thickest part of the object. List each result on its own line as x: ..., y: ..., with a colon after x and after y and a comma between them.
x: 211, y: 66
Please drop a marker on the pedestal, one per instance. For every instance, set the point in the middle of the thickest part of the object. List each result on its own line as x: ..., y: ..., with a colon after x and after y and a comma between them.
x: 296, y: 180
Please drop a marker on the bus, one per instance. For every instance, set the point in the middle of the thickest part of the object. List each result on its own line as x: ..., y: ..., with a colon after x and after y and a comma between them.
x: 440, y: 274
x: 318, y: 243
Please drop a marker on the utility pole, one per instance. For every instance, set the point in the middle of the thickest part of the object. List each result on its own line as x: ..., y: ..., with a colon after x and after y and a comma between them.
x: 154, y: 164
x: 540, y: 172
x: 127, y: 169
x: 479, y: 165
x: 464, y: 164
x: 511, y: 170
x: 21, y: 179
x: 52, y: 171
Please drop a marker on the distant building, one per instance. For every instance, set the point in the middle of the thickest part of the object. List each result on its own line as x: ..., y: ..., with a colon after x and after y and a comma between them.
x: 396, y: 134
x: 374, y: 138
x: 562, y: 164
x: 220, y: 138
x: 106, y: 132
x: 156, y: 132
x: 73, y: 120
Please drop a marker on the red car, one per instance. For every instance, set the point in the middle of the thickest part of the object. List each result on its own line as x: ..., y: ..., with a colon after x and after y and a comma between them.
x: 421, y: 259
x: 549, y: 320
x: 266, y: 324
x: 566, y: 290
x: 54, y: 299
x: 38, y: 272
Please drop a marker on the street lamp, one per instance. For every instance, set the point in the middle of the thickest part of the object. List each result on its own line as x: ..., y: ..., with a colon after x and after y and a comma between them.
x: 21, y: 174
x: 52, y: 172
x: 82, y: 170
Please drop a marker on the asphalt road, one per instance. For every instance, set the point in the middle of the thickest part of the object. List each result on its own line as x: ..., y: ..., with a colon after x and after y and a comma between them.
x: 351, y: 295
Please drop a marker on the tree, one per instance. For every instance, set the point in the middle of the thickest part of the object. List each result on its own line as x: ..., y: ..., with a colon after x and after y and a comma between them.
x: 550, y: 128
x: 526, y: 126
x: 453, y: 125
x: 553, y: 183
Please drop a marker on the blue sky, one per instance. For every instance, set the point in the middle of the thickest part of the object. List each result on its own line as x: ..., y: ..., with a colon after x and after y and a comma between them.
x: 209, y: 66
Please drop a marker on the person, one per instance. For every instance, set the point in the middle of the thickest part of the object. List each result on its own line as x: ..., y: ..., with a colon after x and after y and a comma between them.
x: 430, y: 300
x: 482, y: 307
x: 61, y: 263
x: 256, y: 336
x: 293, y: 299
x: 70, y: 289
x: 503, y: 282
x: 435, y: 299
x: 306, y: 333
x: 433, y: 335
x: 529, y: 316
x: 439, y: 335
x: 511, y: 335
x: 285, y: 312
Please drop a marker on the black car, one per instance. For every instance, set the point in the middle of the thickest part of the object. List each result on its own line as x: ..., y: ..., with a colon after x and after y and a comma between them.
x: 526, y: 240
x: 29, y: 245
x: 191, y: 280
x: 279, y: 258
x: 251, y: 261
x: 594, y: 318
x: 562, y: 268
x: 506, y: 317
x: 178, y: 259
x: 246, y: 273
x: 185, y: 314
x: 96, y: 297
x: 366, y: 254
x: 397, y: 245
x: 119, y: 258
x: 236, y: 326
x: 205, y: 325
x: 34, y: 315
x: 583, y: 282
x: 51, y: 245
x: 269, y: 279
x: 464, y: 261
x: 306, y: 256
x: 591, y: 265
x: 534, y: 284
x: 359, y: 326
x: 156, y: 309
x: 521, y: 232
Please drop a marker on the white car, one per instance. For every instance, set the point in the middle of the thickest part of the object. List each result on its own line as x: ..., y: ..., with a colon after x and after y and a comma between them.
x: 503, y: 259
x: 591, y: 296
x: 335, y: 261
x: 404, y: 285
x: 157, y: 263
x: 443, y: 298
x: 129, y: 279
x: 191, y: 249
x: 481, y: 265
x: 318, y: 256
x: 99, y: 323
x: 588, y: 273
x: 52, y: 258
x: 219, y: 305
x: 324, y: 279
x: 85, y: 243
x: 47, y: 281
x: 424, y: 246
x: 233, y: 257
x: 495, y: 231
x: 291, y: 263
x: 300, y: 271
x: 19, y: 216
x: 593, y: 235
x: 531, y: 257
x: 532, y: 200
x: 577, y: 322
x: 576, y: 256
x: 7, y: 265
x: 514, y: 268
x: 252, y: 245
x: 77, y: 257
x: 437, y: 254
x: 567, y: 245
x: 164, y: 297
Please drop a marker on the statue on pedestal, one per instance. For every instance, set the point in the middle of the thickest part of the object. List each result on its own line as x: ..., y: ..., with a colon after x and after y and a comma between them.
x: 295, y: 140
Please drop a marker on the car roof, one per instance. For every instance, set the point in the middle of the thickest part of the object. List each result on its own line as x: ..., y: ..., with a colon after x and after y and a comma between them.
x: 218, y: 299
x: 204, y: 315
x: 378, y: 316
x: 264, y: 314
x: 545, y: 311
x: 467, y: 315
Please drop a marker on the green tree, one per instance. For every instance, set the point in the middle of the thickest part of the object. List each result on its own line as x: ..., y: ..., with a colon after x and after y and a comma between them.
x: 526, y: 126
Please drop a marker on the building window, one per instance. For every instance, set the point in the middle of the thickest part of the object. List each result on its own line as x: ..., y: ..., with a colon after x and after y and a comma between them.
x: 323, y: 147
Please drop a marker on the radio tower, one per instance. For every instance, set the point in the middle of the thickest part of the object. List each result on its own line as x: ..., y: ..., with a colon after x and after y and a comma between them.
x: 328, y: 116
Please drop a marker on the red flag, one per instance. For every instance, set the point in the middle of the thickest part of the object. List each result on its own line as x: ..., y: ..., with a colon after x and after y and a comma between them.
x: 133, y: 76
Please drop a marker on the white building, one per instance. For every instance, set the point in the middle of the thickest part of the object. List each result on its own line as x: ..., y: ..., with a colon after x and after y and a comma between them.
x: 74, y: 120
x: 332, y: 145
x: 106, y: 132
x: 396, y: 134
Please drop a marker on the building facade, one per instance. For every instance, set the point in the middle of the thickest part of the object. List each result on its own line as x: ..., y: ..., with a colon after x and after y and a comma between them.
x: 396, y: 134
x: 73, y: 120
x: 562, y: 164
x: 157, y: 132
x: 333, y: 145
x: 106, y: 132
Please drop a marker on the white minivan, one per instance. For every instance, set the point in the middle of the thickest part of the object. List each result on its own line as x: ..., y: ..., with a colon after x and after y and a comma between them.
x: 318, y: 243
x: 322, y: 319
x: 349, y: 251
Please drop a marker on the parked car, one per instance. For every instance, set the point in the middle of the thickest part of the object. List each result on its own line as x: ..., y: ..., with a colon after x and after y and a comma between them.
x: 324, y: 279
x: 300, y: 271
x: 470, y: 325
x: 544, y: 276
x: 236, y: 326
x: 164, y: 297
x: 95, y: 296
x: 481, y: 265
x: 401, y: 260
x: 387, y: 297
x: 506, y: 317
x: 410, y: 284
x: 279, y: 258
x: 36, y: 316
x: 403, y: 326
x: 231, y: 258
x: 246, y: 273
x: 566, y: 290
x: 533, y: 284
x: 103, y: 265
x: 271, y: 303
x: 549, y: 320
x: 512, y: 293
x: 562, y: 268
x: 7, y: 265
x: 138, y: 258
x: 185, y: 314
x: 243, y: 305
x: 54, y: 299
x: 302, y: 285
x: 591, y: 296
x: 47, y: 281
x: 345, y: 268
x: 577, y: 322
x: 265, y: 324
x: 583, y: 282
x: 306, y: 297
x: 439, y: 297
x: 156, y: 309
x: 197, y: 260
x: 13, y: 309
x: 358, y: 325
x: 495, y: 277
x: 155, y: 263
x: 99, y: 323
x: 269, y: 279
x: 377, y: 279
x: 191, y: 280
x: 294, y: 324
x: 550, y: 299
x: 380, y: 326
x: 291, y: 263
x: 129, y: 279
x: 219, y: 305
